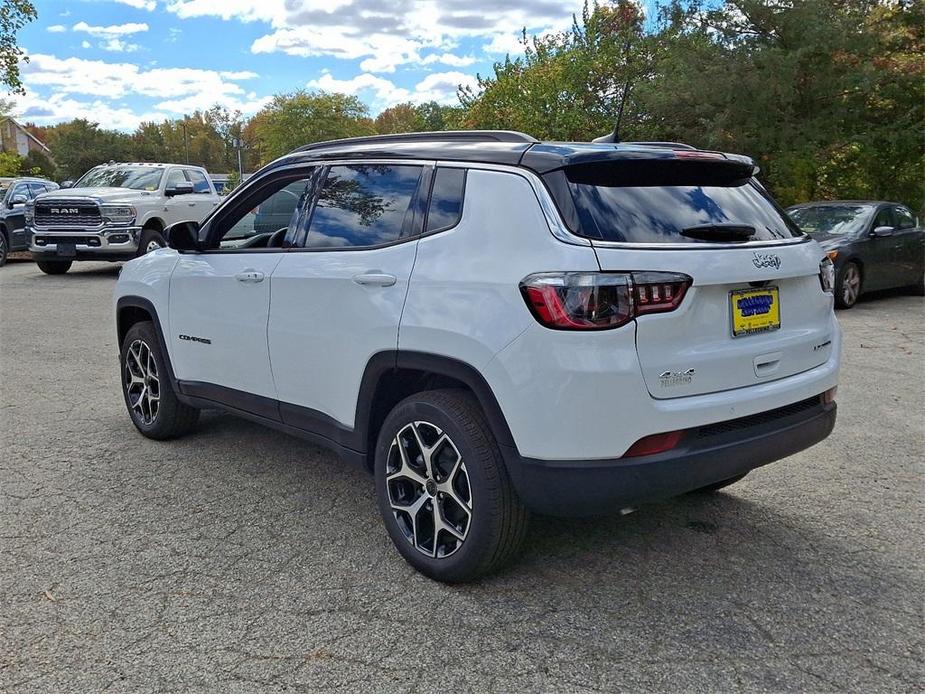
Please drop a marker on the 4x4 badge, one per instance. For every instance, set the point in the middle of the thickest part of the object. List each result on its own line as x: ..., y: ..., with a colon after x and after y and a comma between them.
x: 766, y: 260
x: 668, y: 379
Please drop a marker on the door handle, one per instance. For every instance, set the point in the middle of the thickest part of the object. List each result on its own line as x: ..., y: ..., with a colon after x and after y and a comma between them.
x: 375, y: 279
x: 250, y: 276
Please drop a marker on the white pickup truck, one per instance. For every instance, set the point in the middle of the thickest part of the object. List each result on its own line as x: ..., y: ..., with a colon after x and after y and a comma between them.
x: 115, y: 212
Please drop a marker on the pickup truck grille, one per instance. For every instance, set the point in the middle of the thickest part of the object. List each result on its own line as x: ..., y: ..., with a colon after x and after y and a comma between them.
x: 66, y: 213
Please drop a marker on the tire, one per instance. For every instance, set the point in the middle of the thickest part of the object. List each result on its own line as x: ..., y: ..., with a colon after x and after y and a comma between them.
x: 4, y: 248
x: 848, y: 285
x: 467, y: 468
x: 157, y: 415
x: 54, y: 267
x: 149, y: 239
x: 716, y: 486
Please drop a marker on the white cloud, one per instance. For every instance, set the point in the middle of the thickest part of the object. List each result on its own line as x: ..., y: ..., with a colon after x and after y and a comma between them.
x: 505, y: 44
x: 111, y: 31
x: 448, y: 59
x: 57, y: 29
x: 148, y: 5
x: 177, y: 90
x: 85, y: 44
x: 61, y: 108
x: 382, y: 93
x: 385, y: 34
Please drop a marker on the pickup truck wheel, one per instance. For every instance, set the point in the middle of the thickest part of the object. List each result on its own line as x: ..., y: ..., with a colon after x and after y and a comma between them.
x: 54, y: 267
x: 152, y: 404
x: 151, y: 240
x: 4, y: 249
x: 442, y: 488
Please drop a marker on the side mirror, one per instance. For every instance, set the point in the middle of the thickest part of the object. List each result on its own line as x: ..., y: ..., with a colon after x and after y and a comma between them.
x: 67, y: 184
x: 880, y: 232
x: 183, y: 236
x: 184, y: 188
x: 18, y: 199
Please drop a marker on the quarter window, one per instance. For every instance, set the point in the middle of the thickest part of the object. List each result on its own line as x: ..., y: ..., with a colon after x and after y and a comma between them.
x: 446, y: 199
x: 363, y: 205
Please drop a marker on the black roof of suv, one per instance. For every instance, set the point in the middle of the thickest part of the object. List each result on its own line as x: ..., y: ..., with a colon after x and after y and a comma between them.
x: 503, y: 147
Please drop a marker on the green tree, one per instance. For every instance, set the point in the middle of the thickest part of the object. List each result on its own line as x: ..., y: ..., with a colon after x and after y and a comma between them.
x: 302, y: 117
x: 36, y: 163
x: 14, y: 15
x: 570, y: 85
x: 79, y: 145
x: 10, y: 164
x: 401, y: 118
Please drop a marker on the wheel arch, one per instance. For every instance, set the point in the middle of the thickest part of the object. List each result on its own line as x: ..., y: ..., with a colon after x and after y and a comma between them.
x: 392, y: 376
x: 136, y: 309
x: 155, y: 223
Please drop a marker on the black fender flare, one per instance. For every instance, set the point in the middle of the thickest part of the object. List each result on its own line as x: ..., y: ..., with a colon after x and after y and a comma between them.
x: 138, y: 302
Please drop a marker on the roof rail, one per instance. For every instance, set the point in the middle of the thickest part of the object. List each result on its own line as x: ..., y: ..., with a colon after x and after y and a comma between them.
x: 436, y: 136
x: 666, y: 145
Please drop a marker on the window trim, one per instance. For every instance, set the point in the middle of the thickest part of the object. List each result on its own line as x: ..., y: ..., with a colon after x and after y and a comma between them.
x: 244, y: 199
x: 417, y: 217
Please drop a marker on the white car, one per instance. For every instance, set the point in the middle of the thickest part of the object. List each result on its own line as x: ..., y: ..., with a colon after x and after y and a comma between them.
x: 495, y: 325
x: 115, y: 212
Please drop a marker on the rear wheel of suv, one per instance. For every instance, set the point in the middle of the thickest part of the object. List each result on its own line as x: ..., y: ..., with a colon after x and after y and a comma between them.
x: 151, y: 240
x: 54, y: 267
x: 848, y: 285
x: 443, y: 491
x: 152, y: 404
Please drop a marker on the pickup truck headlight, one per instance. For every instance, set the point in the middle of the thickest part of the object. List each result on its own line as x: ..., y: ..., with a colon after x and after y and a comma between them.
x: 120, y: 214
x: 29, y: 212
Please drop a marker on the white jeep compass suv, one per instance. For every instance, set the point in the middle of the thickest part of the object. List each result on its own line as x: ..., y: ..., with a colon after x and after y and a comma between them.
x: 493, y: 325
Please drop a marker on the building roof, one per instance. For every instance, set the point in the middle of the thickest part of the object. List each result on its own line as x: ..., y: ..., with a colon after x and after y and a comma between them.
x: 26, y: 130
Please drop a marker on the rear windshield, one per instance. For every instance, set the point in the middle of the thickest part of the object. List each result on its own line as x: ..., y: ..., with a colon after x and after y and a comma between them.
x: 655, y: 201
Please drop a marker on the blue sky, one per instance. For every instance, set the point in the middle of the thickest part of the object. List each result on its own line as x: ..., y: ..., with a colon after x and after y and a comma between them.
x: 119, y: 62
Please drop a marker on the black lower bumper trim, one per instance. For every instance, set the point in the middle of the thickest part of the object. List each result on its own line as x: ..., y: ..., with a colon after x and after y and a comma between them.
x: 84, y: 255
x: 592, y: 487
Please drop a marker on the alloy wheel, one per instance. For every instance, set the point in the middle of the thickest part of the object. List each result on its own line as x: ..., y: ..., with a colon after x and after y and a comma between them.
x: 153, y: 245
x: 428, y: 489
x: 851, y: 285
x: 142, y: 384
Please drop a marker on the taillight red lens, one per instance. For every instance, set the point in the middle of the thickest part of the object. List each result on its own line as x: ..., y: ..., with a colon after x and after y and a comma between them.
x: 579, y: 300
x: 657, y: 443
x: 600, y: 300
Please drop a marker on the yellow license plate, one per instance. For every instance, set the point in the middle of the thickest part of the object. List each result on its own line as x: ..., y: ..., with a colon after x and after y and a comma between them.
x: 754, y: 310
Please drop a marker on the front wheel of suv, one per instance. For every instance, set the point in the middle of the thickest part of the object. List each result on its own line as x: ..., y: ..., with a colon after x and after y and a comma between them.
x: 443, y: 490
x: 152, y: 404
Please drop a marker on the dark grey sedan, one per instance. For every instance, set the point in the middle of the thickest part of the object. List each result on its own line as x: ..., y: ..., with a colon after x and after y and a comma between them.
x: 874, y: 245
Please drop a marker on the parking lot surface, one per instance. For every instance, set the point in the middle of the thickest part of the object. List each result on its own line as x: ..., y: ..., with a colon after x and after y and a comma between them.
x: 242, y: 560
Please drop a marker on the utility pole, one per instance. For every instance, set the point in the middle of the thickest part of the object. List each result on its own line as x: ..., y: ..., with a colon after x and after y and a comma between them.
x: 238, y: 144
x: 186, y: 141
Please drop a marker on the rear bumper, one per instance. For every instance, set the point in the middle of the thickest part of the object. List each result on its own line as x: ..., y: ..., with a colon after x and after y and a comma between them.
x: 705, y: 455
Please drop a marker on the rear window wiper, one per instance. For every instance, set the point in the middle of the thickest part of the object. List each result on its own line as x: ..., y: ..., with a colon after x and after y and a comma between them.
x: 719, y: 232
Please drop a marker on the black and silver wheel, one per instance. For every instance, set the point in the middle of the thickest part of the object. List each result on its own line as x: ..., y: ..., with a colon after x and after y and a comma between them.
x: 54, y: 267
x: 4, y: 248
x: 152, y: 404
x: 150, y: 240
x: 443, y: 491
x: 848, y: 285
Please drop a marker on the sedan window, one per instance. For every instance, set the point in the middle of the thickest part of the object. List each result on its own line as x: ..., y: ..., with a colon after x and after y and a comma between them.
x: 831, y: 219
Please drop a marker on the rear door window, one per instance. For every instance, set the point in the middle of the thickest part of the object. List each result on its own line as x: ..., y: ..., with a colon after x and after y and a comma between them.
x: 364, y: 205
x: 655, y: 201
x: 904, y: 218
x: 198, y: 179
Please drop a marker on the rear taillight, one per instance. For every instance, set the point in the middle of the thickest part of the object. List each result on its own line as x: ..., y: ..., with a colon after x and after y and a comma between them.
x: 600, y: 300
x: 656, y: 443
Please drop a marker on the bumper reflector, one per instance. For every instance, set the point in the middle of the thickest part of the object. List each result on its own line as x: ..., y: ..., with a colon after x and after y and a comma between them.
x: 656, y: 443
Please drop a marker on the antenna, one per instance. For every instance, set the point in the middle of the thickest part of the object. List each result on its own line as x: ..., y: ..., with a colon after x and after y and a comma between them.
x: 612, y: 136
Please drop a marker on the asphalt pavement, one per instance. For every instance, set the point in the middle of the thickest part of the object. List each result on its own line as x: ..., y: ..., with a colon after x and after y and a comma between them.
x: 239, y: 559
